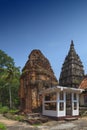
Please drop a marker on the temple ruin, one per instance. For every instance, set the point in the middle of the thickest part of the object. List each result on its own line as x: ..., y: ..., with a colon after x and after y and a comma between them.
x: 37, y: 75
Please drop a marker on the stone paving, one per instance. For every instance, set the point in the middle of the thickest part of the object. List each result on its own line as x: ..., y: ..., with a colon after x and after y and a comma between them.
x: 80, y: 124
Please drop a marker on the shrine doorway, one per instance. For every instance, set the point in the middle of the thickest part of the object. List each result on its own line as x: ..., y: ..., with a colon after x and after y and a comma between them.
x: 68, y: 104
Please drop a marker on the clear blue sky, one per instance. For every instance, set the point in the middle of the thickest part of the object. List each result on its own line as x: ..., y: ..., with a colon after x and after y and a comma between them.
x: 48, y: 25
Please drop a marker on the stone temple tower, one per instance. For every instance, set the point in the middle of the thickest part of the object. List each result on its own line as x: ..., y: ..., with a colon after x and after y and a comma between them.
x: 72, y: 71
x: 37, y: 75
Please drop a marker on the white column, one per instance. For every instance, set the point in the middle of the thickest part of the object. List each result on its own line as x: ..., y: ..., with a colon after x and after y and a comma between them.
x: 57, y: 103
x: 72, y: 104
x: 78, y: 103
x: 65, y: 102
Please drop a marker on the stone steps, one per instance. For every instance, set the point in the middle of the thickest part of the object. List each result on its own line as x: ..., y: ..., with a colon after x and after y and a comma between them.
x: 71, y: 118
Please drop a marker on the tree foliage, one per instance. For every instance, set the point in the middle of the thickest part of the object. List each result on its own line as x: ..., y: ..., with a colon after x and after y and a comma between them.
x: 5, y: 60
x: 9, y: 80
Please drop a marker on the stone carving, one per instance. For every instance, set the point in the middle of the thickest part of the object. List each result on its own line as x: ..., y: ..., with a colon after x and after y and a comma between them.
x: 72, y: 71
x: 37, y: 75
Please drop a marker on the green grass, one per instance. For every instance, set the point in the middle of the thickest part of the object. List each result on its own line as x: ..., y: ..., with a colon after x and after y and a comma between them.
x: 38, y: 124
x: 2, y: 126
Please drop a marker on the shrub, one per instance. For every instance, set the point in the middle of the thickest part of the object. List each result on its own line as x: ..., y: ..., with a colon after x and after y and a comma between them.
x: 4, y: 109
x: 2, y: 126
x: 19, y: 117
x: 13, y: 111
x: 83, y: 113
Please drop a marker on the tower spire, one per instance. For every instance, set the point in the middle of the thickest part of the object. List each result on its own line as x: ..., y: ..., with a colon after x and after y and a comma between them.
x: 72, y: 45
x: 72, y: 70
x: 72, y: 49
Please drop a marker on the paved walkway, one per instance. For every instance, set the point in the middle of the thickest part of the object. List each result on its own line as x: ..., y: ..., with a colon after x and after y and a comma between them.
x: 80, y: 124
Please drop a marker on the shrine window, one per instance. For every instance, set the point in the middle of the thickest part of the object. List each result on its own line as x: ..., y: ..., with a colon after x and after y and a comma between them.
x: 85, y: 99
x: 61, y: 106
x: 50, y: 101
x: 51, y: 97
x: 75, y: 105
x: 61, y: 96
x: 75, y: 96
x: 51, y: 106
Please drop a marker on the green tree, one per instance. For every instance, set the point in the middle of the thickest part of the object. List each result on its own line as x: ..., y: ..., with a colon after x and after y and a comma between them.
x: 5, y: 60
x: 12, y: 79
x: 9, y: 80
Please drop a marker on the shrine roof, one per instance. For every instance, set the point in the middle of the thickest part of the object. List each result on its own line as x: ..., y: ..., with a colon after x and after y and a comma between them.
x: 61, y: 88
x: 83, y: 84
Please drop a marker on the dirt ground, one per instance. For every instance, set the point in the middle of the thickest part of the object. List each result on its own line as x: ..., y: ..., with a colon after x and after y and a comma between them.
x: 80, y: 124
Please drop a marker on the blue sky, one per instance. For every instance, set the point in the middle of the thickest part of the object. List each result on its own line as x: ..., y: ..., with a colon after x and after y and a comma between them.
x: 48, y: 25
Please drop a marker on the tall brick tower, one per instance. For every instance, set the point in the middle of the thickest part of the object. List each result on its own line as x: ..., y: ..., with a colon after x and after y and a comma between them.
x: 37, y: 75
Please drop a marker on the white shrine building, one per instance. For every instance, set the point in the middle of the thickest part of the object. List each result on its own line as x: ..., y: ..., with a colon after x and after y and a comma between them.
x: 60, y: 102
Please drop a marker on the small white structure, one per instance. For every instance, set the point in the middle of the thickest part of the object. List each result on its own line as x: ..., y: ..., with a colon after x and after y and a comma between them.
x: 61, y: 101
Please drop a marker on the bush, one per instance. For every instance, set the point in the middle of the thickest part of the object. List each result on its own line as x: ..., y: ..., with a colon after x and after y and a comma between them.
x: 14, y: 117
x: 19, y: 117
x: 4, y: 109
x: 83, y: 113
x: 2, y: 126
x: 13, y: 111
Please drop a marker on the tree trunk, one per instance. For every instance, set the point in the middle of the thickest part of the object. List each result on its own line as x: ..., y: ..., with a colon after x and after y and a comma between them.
x: 10, y: 97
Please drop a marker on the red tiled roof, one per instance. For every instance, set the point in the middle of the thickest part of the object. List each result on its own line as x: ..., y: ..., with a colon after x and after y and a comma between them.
x: 83, y: 84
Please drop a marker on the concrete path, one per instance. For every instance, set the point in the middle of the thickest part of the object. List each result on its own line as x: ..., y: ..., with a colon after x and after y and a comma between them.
x: 80, y: 124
